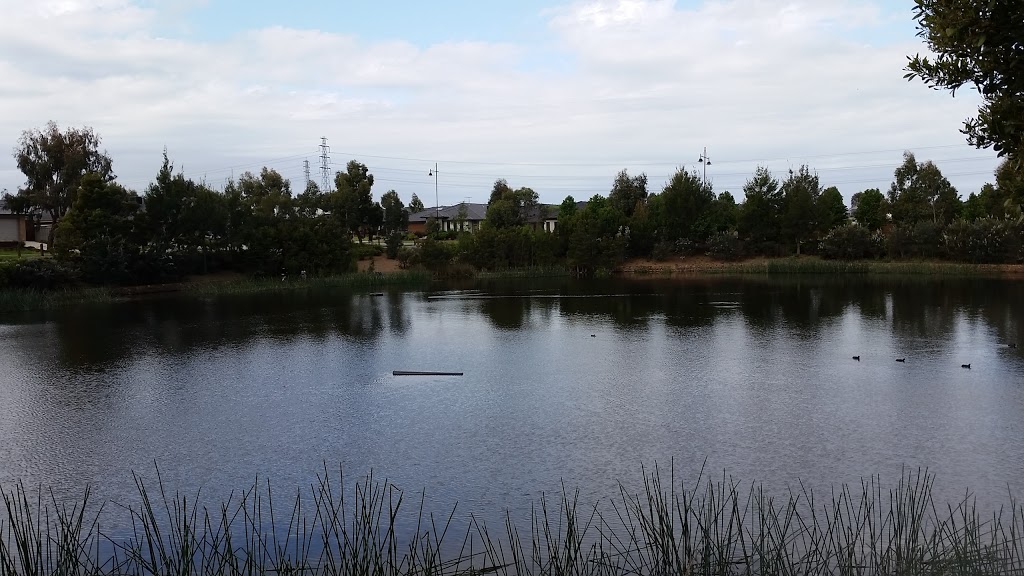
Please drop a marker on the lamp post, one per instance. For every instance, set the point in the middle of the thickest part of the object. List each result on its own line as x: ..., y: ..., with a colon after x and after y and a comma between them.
x: 437, y: 207
x: 706, y: 161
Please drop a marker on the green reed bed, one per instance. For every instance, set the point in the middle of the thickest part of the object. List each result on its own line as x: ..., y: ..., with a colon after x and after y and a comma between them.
x: 809, y: 266
x: 354, y: 281
x: 24, y: 300
x: 367, y: 528
x: 526, y: 272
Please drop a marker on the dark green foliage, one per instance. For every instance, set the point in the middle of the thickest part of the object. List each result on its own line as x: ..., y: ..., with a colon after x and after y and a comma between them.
x: 415, y: 205
x: 38, y: 274
x: 725, y: 246
x: 183, y: 220
x: 595, y: 242
x: 97, y: 233
x: 509, y: 208
x: 396, y: 217
x: 434, y: 255
x: 1010, y: 183
x: 760, y: 214
x: 977, y: 43
x: 832, y: 210
x: 628, y: 192
x: 643, y: 231
x: 870, y: 209
x: 725, y: 213
x: 352, y: 200
x: 408, y: 258
x: 366, y: 251
x: 54, y: 164
x: 394, y: 244
x: 851, y: 242
x: 800, y: 193
x: 502, y: 248
x: 919, y: 193
x: 922, y: 240
x: 685, y: 208
x: 986, y: 240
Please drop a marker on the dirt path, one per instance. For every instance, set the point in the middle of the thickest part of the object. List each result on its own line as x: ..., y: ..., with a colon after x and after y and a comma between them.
x: 380, y: 264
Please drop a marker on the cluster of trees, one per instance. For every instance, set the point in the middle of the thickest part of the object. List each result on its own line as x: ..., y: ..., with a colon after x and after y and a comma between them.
x: 921, y: 215
x: 104, y: 233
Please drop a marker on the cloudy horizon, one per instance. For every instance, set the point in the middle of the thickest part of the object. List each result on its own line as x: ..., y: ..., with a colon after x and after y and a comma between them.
x: 557, y: 96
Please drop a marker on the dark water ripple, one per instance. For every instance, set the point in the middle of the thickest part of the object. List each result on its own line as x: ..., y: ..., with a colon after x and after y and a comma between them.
x: 753, y: 377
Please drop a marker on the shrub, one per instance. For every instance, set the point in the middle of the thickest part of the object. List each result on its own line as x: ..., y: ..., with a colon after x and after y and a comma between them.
x: 394, y: 244
x: 408, y: 258
x: 725, y: 246
x: 366, y: 251
x: 443, y: 236
x: 663, y: 250
x: 38, y: 274
x: 987, y: 240
x: 850, y: 242
x: 434, y: 255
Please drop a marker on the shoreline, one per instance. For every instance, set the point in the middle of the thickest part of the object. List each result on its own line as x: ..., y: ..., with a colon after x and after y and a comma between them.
x: 388, y: 274
x: 787, y: 265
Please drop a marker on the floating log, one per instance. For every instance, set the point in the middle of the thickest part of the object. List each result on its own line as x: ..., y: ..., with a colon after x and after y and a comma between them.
x: 423, y: 373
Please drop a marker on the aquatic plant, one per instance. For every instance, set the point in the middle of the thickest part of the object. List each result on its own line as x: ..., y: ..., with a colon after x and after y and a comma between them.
x: 707, y: 526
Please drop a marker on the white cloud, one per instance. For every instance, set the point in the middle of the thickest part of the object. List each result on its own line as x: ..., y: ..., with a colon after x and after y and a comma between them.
x: 620, y: 83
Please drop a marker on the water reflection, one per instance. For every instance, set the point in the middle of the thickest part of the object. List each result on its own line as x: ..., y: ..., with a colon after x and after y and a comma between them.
x: 565, y: 380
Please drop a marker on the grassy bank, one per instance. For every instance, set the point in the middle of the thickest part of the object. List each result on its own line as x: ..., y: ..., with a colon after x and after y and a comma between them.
x: 355, y: 281
x: 530, y: 272
x: 11, y: 254
x: 15, y: 300
x: 813, y: 265
x: 667, y: 527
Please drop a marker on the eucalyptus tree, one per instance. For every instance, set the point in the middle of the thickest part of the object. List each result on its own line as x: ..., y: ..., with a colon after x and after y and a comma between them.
x: 54, y: 163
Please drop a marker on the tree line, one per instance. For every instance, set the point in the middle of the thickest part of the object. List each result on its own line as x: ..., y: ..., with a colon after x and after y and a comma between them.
x: 104, y: 233
x: 921, y: 215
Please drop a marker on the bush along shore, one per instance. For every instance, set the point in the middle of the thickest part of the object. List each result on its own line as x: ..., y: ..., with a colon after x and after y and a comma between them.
x: 706, y: 526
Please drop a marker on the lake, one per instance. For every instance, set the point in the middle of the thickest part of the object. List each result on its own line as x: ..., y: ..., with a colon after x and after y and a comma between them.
x: 566, y: 383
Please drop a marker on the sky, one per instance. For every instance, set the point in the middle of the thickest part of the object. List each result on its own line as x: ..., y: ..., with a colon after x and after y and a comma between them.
x: 555, y: 95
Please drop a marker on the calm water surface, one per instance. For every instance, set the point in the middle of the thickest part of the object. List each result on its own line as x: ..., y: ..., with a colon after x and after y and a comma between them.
x: 568, y: 382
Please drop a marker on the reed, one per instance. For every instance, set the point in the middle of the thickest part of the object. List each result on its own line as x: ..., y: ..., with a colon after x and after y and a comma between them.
x: 526, y: 272
x: 354, y: 281
x: 24, y: 300
x: 707, y: 526
x: 816, y: 266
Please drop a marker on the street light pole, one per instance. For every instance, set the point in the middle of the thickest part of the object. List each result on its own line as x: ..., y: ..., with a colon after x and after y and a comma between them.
x: 437, y: 206
x: 706, y: 161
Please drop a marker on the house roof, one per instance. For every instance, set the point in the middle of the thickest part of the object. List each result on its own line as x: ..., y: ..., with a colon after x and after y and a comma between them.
x: 478, y: 212
x: 474, y: 212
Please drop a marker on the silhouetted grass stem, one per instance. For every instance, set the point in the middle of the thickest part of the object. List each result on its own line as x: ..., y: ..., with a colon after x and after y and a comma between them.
x: 365, y: 528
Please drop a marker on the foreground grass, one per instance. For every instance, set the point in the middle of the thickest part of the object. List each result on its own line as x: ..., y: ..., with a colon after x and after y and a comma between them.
x: 354, y: 281
x: 707, y: 527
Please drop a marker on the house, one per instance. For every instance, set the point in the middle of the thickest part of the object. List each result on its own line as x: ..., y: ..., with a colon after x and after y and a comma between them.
x: 14, y: 228
x: 448, y: 216
x: 541, y: 217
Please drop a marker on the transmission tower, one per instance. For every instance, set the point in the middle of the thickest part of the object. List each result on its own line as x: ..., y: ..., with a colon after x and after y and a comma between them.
x: 325, y: 165
x: 305, y: 170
